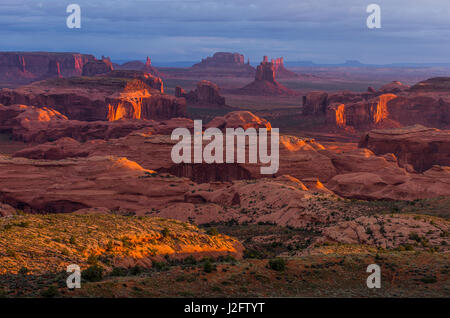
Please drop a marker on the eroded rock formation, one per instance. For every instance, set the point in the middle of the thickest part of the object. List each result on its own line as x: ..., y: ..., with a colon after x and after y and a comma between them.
x: 418, y: 146
x: 393, y: 105
x: 264, y: 83
x: 25, y: 67
x: 97, y: 67
x: 116, y: 95
x: 206, y: 94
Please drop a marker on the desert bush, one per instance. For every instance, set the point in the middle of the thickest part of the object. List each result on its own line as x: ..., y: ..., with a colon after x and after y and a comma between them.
x: 277, y: 264
x: 93, y: 273
x: 208, y: 266
x: 119, y: 271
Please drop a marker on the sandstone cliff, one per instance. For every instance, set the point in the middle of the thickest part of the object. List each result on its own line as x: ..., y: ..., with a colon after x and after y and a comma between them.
x: 25, y: 67
x: 393, y: 105
x: 119, y: 94
x: 418, y: 146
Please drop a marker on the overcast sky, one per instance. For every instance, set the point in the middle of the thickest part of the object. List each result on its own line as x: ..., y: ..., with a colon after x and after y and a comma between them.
x: 325, y: 31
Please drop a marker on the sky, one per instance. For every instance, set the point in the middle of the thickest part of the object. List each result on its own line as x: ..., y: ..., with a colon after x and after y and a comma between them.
x: 323, y: 31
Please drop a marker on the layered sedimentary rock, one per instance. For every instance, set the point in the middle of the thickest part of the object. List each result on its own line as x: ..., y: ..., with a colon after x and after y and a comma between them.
x: 281, y: 71
x: 111, y: 97
x: 42, y: 124
x: 224, y: 64
x: 97, y: 67
x: 360, y: 114
x: 417, y: 145
x: 222, y: 59
x: 25, y: 67
x: 265, y: 82
x: 394, y: 105
x: 205, y: 94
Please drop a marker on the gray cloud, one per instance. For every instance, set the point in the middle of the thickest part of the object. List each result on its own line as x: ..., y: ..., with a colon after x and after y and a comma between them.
x: 169, y: 30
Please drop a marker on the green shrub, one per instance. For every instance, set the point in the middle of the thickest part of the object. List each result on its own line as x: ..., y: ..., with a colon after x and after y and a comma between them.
x: 190, y: 260
x: 119, y: 271
x: 277, y: 264
x: 136, y: 270
x: 160, y: 266
x: 93, y: 273
x: 208, y: 266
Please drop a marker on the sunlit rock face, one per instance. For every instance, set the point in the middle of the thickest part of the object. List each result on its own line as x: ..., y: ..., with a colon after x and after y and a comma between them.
x: 281, y: 71
x: 393, y: 105
x: 113, y: 96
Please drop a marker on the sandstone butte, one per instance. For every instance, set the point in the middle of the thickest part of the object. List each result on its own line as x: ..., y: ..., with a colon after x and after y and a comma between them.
x: 265, y: 83
x: 393, y: 105
x: 140, y: 66
x: 112, y: 96
x: 206, y: 94
x: 224, y: 64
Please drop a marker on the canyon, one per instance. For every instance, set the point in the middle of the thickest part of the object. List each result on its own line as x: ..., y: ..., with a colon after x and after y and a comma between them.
x: 88, y: 146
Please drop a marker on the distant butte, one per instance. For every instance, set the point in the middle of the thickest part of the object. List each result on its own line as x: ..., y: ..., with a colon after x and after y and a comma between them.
x: 140, y: 66
x: 265, y: 83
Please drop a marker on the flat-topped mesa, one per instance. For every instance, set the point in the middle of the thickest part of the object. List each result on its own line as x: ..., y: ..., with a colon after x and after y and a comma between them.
x: 116, y: 95
x: 223, y: 64
x: 222, y: 59
x: 25, y: 67
x: 149, y: 79
x: 54, y: 69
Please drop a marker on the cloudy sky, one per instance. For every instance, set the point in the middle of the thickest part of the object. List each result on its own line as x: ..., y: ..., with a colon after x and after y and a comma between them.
x: 324, y: 31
